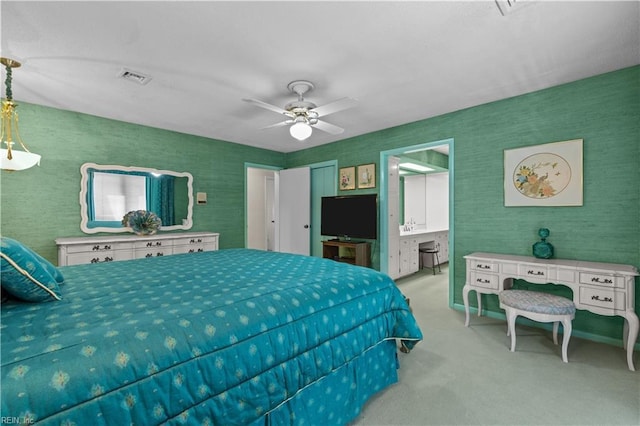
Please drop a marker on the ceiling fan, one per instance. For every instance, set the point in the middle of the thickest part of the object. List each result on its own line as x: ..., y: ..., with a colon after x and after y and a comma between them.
x: 304, y: 115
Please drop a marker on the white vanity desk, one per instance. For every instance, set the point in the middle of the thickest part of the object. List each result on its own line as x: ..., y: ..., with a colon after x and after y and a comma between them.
x: 79, y: 250
x: 410, y: 242
x: 601, y: 288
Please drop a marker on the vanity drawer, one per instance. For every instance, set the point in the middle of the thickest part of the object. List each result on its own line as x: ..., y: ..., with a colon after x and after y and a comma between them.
x: 482, y: 265
x: 479, y: 279
x: 533, y: 272
x: 601, y: 280
x: 602, y: 298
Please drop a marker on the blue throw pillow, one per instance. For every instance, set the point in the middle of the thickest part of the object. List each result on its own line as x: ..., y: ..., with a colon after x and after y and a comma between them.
x: 48, y: 266
x: 24, y: 275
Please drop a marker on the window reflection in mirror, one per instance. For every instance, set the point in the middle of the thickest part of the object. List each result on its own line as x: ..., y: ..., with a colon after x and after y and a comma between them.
x: 108, y: 192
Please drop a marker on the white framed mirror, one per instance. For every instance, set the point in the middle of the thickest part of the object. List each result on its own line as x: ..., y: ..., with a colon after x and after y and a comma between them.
x: 108, y: 192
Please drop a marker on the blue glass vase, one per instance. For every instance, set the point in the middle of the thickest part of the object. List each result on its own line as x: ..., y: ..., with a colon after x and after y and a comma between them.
x: 542, y: 249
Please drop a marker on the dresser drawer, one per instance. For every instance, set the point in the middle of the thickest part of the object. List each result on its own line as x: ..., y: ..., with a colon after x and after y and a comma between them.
x: 191, y: 248
x: 145, y: 244
x: 602, y: 298
x: 602, y: 280
x: 98, y: 257
x: 98, y: 247
x: 478, y: 279
x: 141, y: 253
x: 193, y: 241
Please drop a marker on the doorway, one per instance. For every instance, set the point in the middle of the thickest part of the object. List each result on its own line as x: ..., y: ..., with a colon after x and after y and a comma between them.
x: 262, y: 200
x: 260, y: 207
x: 390, y: 193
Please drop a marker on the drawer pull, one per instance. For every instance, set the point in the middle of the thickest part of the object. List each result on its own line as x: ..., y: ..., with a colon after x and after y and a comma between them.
x: 107, y: 247
x: 603, y: 299
x: 191, y: 251
x: 481, y: 266
x: 602, y: 281
x: 191, y: 241
x: 535, y: 273
x: 200, y: 250
x: 108, y: 259
x: 148, y: 255
x: 95, y: 248
x: 483, y: 281
x: 159, y: 254
x: 95, y: 260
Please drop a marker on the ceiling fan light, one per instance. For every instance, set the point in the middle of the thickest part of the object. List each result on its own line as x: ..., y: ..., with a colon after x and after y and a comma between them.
x: 300, y: 130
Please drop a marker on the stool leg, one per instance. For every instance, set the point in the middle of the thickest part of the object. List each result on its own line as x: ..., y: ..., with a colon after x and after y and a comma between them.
x: 438, y: 259
x: 511, y: 321
x: 566, y: 330
x: 433, y: 262
x: 555, y: 332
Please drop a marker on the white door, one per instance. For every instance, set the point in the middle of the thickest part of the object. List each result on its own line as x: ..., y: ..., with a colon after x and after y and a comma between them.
x: 393, y: 222
x: 293, y: 192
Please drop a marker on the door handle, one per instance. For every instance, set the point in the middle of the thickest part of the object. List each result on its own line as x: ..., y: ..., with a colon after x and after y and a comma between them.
x: 306, y: 227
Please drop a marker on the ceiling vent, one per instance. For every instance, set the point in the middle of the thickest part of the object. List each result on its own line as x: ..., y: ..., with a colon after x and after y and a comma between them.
x: 137, y: 77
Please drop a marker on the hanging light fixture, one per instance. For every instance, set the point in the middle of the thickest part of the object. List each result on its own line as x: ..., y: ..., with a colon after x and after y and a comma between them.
x: 11, y: 158
x: 301, y: 129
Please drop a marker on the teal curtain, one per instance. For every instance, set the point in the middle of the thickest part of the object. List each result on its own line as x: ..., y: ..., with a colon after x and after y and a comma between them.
x: 160, y: 195
x: 91, y: 208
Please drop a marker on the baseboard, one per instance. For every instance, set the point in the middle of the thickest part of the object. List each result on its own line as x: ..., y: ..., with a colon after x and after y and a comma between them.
x: 548, y: 326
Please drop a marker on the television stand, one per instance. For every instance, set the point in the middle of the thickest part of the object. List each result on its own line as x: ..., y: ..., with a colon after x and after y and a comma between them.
x: 356, y: 253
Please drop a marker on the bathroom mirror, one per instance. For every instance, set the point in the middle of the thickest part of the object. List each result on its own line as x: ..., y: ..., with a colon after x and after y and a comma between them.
x: 108, y: 192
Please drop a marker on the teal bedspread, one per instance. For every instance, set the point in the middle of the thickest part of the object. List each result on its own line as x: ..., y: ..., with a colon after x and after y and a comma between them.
x: 225, y: 337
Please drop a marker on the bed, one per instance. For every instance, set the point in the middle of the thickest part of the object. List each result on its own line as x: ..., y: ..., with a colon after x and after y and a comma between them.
x: 234, y: 336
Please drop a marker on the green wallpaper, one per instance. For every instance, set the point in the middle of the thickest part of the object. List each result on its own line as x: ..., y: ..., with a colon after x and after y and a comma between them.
x: 41, y: 204
x: 603, y: 110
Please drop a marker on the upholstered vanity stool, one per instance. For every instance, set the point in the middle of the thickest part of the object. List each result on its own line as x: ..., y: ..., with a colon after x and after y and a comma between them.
x: 541, y: 307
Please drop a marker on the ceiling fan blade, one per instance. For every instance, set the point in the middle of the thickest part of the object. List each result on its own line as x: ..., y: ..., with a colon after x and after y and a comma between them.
x: 282, y: 123
x: 328, y: 127
x: 267, y: 106
x: 335, y: 106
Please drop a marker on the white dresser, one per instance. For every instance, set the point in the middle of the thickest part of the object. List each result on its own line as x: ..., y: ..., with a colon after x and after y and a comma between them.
x: 78, y: 250
x: 601, y: 288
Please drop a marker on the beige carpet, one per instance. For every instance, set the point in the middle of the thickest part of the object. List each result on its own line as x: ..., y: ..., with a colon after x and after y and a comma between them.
x: 468, y: 376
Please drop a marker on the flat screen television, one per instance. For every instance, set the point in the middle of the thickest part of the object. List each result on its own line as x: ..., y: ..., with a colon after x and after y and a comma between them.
x: 350, y: 216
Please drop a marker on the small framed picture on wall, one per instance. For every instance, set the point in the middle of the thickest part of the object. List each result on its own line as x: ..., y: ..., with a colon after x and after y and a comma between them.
x: 347, y: 178
x: 367, y: 176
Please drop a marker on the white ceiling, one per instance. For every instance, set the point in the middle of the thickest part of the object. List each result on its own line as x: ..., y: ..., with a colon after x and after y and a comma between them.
x: 403, y: 61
